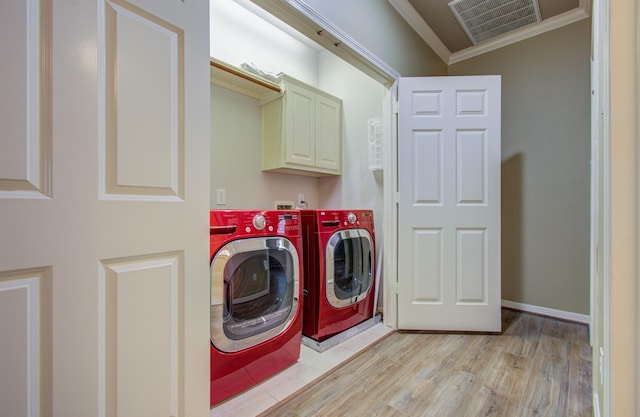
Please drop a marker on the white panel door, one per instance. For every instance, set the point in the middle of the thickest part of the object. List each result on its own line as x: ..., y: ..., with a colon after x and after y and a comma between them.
x: 449, y: 203
x: 104, y: 195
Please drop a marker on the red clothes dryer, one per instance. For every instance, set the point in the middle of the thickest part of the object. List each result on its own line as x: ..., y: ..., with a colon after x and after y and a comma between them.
x: 256, y: 294
x: 339, y: 265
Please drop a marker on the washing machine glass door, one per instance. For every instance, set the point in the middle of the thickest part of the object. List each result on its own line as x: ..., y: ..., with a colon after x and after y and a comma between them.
x: 349, y: 267
x: 254, y: 291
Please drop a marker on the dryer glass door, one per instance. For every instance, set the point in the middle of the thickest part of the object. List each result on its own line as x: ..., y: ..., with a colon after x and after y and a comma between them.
x: 258, y: 282
x: 349, y: 267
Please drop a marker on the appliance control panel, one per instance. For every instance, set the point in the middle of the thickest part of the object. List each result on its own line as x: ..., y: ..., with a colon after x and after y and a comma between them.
x: 337, y: 219
x: 256, y: 222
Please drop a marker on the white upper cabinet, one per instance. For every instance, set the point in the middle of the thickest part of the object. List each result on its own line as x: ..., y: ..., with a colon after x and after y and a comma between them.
x: 301, y: 131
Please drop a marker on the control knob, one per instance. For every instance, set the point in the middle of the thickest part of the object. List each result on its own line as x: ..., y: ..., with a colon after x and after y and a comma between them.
x: 259, y: 222
x: 351, y: 218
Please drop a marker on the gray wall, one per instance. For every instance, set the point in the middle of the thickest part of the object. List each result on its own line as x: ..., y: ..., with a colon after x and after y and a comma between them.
x: 377, y: 26
x: 545, y: 165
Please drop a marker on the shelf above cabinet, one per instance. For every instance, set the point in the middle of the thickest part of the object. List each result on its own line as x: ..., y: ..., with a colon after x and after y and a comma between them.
x: 240, y: 80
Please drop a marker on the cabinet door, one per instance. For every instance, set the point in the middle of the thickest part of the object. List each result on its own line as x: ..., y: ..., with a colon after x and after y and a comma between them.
x: 300, y: 133
x: 328, y: 146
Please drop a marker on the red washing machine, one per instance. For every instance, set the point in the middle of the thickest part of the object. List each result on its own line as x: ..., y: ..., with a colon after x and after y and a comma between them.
x: 256, y: 294
x: 339, y: 265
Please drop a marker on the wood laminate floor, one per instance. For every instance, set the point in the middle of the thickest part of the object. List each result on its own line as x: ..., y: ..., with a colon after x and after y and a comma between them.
x: 538, y: 366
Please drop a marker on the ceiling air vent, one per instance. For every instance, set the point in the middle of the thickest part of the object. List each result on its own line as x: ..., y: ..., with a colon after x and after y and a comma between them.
x: 485, y: 19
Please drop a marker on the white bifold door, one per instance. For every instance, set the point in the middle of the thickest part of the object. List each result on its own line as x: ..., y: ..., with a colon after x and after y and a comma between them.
x: 449, y: 203
x: 104, y: 198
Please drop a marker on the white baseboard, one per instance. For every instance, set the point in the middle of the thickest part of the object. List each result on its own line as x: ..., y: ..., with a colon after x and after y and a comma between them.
x: 545, y: 311
x: 596, y: 405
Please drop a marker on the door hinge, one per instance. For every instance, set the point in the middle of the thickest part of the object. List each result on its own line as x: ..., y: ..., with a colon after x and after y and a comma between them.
x: 396, y: 198
x: 396, y: 107
x: 394, y: 287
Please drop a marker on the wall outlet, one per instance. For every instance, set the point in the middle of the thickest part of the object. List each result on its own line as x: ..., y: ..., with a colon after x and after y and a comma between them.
x: 221, y: 196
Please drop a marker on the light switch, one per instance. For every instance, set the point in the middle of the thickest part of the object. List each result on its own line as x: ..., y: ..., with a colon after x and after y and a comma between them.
x: 221, y: 196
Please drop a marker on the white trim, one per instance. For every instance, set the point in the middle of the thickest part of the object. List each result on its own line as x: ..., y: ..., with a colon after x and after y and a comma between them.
x: 545, y: 311
x: 601, y: 35
x: 595, y: 197
x: 596, y: 405
x: 390, y: 210
x: 637, y: 217
x: 345, y: 39
x: 585, y: 5
x: 526, y: 32
x: 409, y: 13
x: 305, y: 19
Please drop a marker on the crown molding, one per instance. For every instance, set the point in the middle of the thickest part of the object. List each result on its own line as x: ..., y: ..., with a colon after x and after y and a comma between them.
x: 299, y: 15
x: 309, y: 22
x: 409, y: 13
x: 585, y: 5
x: 526, y: 32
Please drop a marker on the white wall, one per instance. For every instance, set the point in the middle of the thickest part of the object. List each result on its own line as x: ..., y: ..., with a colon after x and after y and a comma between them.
x: 358, y: 187
x: 236, y: 126
x: 237, y: 36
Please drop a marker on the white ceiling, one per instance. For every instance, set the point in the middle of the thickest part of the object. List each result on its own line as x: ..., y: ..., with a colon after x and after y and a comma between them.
x: 436, y: 24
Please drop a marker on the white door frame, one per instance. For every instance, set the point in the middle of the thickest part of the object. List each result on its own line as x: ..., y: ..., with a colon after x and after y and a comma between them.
x: 390, y: 205
x: 600, y: 227
x: 616, y: 223
x: 300, y: 16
